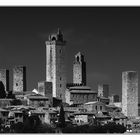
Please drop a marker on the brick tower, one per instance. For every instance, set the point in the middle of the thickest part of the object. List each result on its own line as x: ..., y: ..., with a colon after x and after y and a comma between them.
x: 55, y: 64
x: 79, y: 69
x: 19, y: 79
x: 4, y: 77
x: 130, y: 93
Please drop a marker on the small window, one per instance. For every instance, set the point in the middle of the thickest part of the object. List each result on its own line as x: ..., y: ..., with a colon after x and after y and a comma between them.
x: 16, y: 84
x: 96, y: 107
x: 60, y: 51
x: 60, y: 78
x: 60, y: 95
x: 60, y: 85
x: 100, y: 107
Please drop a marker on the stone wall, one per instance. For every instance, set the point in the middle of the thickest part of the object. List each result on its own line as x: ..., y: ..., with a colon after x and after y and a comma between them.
x: 130, y: 93
x: 19, y: 79
x: 103, y: 90
x: 45, y: 89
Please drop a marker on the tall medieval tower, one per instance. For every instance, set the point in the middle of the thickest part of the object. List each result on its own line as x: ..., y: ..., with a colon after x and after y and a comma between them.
x: 130, y: 93
x: 55, y: 64
x: 79, y: 69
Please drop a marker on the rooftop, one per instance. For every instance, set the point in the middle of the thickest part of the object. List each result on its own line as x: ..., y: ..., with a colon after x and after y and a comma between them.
x: 80, y: 88
x: 83, y: 91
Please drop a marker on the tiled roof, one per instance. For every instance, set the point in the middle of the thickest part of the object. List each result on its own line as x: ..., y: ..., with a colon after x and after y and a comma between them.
x: 117, y: 115
x: 84, y: 113
x: 80, y: 87
x: 83, y: 91
x: 38, y: 97
x: 3, y: 110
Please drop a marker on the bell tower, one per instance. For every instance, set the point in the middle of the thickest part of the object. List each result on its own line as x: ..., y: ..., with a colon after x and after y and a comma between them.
x: 55, y: 64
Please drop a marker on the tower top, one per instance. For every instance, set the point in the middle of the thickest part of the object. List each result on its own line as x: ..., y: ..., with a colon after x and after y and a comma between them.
x: 79, y: 57
x: 56, y: 36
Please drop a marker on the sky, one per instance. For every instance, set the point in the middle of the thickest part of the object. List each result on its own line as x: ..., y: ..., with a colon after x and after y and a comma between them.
x: 108, y: 37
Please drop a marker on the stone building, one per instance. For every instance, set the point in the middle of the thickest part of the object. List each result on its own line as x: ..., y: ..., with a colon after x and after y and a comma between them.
x: 4, y: 77
x: 130, y: 93
x: 45, y: 89
x: 103, y: 90
x: 55, y: 64
x: 38, y: 101
x: 19, y: 79
x: 79, y: 69
x: 80, y: 95
x: 95, y: 106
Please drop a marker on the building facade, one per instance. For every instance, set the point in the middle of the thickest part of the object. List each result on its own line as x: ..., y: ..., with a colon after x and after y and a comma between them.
x: 79, y: 69
x: 19, y: 79
x: 4, y: 77
x: 130, y: 93
x: 80, y: 95
x: 55, y: 64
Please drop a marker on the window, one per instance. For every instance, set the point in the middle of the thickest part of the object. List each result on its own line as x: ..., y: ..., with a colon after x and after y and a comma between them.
x: 96, y: 107
x: 60, y: 78
x: 100, y: 107
x: 60, y: 51
x: 16, y: 84
x: 60, y: 85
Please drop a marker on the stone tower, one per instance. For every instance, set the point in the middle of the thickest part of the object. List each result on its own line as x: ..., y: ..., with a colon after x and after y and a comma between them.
x: 55, y: 64
x: 130, y: 93
x: 4, y: 77
x: 103, y: 90
x: 79, y: 69
x: 45, y: 89
x: 19, y: 79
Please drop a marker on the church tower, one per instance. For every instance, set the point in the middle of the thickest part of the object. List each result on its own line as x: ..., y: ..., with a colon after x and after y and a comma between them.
x: 55, y: 64
x: 79, y: 70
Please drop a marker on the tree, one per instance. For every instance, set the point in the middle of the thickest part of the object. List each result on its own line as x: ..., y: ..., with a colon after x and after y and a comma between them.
x: 2, y: 90
x: 61, y: 120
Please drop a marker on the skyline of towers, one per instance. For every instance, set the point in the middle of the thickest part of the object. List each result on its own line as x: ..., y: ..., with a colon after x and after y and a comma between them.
x: 19, y: 79
x: 130, y: 93
x: 79, y: 69
x: 55, y: 64
x: 4, y: 77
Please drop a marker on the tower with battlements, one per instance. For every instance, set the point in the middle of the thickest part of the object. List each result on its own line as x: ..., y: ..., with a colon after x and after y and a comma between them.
x: 55, y: 64
x: 130, y: 93
x: 79, y: 70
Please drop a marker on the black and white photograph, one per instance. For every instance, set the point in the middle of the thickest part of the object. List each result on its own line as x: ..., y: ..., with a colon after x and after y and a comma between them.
x: 69, y: 70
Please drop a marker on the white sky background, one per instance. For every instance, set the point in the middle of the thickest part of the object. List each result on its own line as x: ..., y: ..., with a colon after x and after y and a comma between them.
x: 69, y: 3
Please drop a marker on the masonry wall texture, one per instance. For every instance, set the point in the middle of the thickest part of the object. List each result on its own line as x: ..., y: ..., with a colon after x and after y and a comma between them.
x: 80, y: 95
x: 103, y: 90
x: 4, y: 77
x: 130, y: 93
x: 79, y: 69
x: 19, y: 79
x: 45, y: 89
x: 55, y: 64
